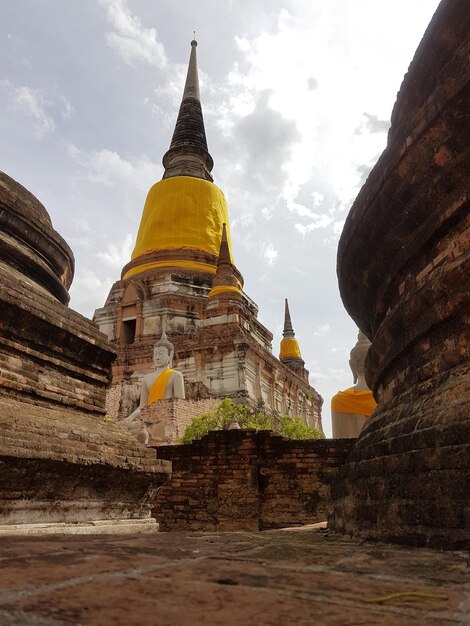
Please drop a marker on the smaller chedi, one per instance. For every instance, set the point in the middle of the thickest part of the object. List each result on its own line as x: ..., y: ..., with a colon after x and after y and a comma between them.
x: 289, y: 349
x: 351, y: 408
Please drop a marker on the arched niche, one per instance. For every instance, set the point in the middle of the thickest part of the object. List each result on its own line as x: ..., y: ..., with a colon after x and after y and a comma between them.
x: 129, y: 319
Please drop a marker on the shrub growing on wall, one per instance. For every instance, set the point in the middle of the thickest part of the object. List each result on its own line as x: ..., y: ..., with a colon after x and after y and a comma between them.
x: 248, y: 417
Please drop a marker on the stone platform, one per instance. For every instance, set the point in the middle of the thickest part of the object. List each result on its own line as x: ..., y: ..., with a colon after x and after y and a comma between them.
x: 297, y: 576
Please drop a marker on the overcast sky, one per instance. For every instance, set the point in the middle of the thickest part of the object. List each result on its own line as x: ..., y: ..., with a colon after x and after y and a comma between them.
x: 296, y: 95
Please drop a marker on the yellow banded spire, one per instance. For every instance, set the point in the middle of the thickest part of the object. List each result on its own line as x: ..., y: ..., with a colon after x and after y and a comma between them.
x: 181, y: 224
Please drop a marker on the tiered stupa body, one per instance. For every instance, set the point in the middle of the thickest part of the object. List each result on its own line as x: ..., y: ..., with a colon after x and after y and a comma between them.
x: 182, y: 279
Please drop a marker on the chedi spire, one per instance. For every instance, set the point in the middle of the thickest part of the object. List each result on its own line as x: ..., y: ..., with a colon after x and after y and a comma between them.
x: 188, y: 154
x: 288, y: 329
x: 290, y: 351
x: 182, y: 219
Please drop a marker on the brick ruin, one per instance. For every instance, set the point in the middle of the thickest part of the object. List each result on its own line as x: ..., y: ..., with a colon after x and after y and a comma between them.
x: 247, y: 480
x: 404, y: 275
x: 59, y: 461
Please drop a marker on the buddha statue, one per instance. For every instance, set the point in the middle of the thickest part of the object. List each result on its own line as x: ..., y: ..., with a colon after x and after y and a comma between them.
x: 351, y: 408
x: 161, y: 384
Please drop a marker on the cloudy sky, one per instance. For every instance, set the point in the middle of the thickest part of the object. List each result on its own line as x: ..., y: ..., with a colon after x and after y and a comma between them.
x: 297, y: 97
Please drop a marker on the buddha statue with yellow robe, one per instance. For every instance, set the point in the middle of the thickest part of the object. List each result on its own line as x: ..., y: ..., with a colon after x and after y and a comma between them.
x: 162, y: 384
x: 351, y: 408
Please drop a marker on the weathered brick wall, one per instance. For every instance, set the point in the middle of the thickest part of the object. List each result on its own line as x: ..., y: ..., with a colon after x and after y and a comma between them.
x: 294, y: 478
x: 247, y: 480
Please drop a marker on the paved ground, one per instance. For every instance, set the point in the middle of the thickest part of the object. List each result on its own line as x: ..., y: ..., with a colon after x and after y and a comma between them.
x: 286, y: 577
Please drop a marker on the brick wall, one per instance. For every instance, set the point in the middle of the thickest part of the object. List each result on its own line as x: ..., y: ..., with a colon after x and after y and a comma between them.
x: 247, y: 480
x: 166, y: 420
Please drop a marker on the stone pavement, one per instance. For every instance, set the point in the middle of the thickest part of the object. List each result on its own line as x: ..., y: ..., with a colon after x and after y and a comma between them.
x: 282, y: 577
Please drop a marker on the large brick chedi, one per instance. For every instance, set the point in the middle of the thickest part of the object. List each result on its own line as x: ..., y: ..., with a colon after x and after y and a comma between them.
x: 59, y: 462
x: 182, y: 279
x: 403, y: 268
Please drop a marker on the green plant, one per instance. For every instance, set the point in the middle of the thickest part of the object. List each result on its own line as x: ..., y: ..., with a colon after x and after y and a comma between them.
x: 248, y: 418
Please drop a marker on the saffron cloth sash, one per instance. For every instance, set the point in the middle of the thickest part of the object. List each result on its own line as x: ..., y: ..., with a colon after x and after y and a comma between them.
x: 353, y: 401
x: 157, y: 390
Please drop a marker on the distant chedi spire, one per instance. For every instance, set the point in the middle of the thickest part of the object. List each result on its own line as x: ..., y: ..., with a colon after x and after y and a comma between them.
x: 290, y: 351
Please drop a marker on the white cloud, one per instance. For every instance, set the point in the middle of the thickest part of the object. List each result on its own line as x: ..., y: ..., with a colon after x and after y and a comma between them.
x: 321, y: 331
x: 33, y: 103
x: 85, y: 290
x: 300, y: 73
x: 372, y: 124
x: 338, y: 227
x: 131, y: 40
x: 109, y: 168
x: 117, y: 255
x: 335, y: 375
x: 318, y: 221
x: 67, y: 109
x: 269, y: 253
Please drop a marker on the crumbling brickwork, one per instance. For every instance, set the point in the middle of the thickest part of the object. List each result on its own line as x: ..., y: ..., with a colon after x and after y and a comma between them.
x: 247, y: 480
x: 59, y: 461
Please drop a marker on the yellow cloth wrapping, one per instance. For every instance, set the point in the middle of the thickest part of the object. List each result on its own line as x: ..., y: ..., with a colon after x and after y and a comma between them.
x: 187, y: 265
x: 353, y: 401
x: 182, y: 212
x: 223, y: 289
x: 157, y: 390
x: 289, y: 348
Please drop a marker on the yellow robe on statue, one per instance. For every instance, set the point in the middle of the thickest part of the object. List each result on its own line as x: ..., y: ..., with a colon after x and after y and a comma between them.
x: 157, y: 390
x: 354, y: 401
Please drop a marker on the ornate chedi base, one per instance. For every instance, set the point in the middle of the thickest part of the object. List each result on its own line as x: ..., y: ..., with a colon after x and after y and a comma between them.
x: 60, y: 462
x: 404, y: 274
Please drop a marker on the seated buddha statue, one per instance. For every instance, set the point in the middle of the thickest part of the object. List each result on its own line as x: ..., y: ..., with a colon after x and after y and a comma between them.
x: 161, y: 384
x: 351, y: 408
